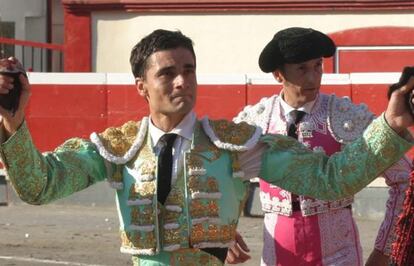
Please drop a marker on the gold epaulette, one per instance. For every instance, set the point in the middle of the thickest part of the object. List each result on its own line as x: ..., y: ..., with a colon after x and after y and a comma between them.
x: 120, y: 144
x: 118, y: 140
x: 233, y: 133
x: 231, y: 136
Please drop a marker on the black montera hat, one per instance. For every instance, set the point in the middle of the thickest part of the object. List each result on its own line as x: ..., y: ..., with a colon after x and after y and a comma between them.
x: 295, y: 45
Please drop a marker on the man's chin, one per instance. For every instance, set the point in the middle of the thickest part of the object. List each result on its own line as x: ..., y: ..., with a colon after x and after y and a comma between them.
x: 311, y: 95
x: 182, y: 109
x: 184, y: 105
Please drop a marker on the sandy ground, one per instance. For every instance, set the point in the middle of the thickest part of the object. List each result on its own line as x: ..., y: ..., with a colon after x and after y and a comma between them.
x: 87, y: 235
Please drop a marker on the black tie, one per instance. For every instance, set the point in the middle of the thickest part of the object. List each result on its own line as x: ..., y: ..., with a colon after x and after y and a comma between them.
x: 293, y: 128
x: 165, y: 163
x: 292, y: 132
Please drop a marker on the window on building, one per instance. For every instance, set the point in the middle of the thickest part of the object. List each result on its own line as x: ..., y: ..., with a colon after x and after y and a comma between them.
x: 7, y: 30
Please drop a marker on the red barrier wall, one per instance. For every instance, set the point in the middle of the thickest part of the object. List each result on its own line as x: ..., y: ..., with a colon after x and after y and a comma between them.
x: 373, y: 95
x: 78, y: 104
x: 381, y: 61
x: 220, y: 101
x: 124, y: 103
x: 58, y: 112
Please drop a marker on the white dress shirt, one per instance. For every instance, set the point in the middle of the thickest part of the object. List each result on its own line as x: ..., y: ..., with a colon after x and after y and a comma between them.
x: 286, y: 109
x: 182, y: 143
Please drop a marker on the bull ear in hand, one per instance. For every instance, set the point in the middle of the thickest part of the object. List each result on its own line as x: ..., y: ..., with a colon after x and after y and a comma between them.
x: 405, y: 76
x: 13, y: 68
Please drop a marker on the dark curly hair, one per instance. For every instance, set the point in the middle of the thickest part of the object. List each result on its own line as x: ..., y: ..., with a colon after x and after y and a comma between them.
x: 158, y: 40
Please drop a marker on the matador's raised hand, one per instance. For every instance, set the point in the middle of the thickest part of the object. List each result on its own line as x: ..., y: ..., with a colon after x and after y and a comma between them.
x: 14, y: 94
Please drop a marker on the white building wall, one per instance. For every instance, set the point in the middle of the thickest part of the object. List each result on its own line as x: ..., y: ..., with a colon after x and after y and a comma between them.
x: 29, y: 18
x: 223, y: 43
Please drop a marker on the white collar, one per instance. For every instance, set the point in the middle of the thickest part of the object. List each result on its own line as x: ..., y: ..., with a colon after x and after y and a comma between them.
x: 184, y: 129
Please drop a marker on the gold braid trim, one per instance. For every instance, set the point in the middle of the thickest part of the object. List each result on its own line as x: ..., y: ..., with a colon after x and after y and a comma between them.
x: 229, y: 132
x: 118, y: 140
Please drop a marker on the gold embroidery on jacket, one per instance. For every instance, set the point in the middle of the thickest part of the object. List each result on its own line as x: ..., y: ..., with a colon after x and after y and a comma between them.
x: 203, y: 149
x: 233, y: 133
x: 212, y: 185
x: 199, y: 184
x: 235, y: 163
x: 137, y: 239
x: 170, y: 217
x: 213, y: 233
x: 148, y: 167
x: 142, y: 215
x: 193, y: 257
x: 174, y: 199
x: 197, y: 208
x: 117, y: 175
x: 74, y: 144
x: 204, y: 208
x: 213, y: 208
x: 118, y: 140
x: 174, y: 225
x: 173, y: 236
x: 142, y: 190
x: 194, y: 162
